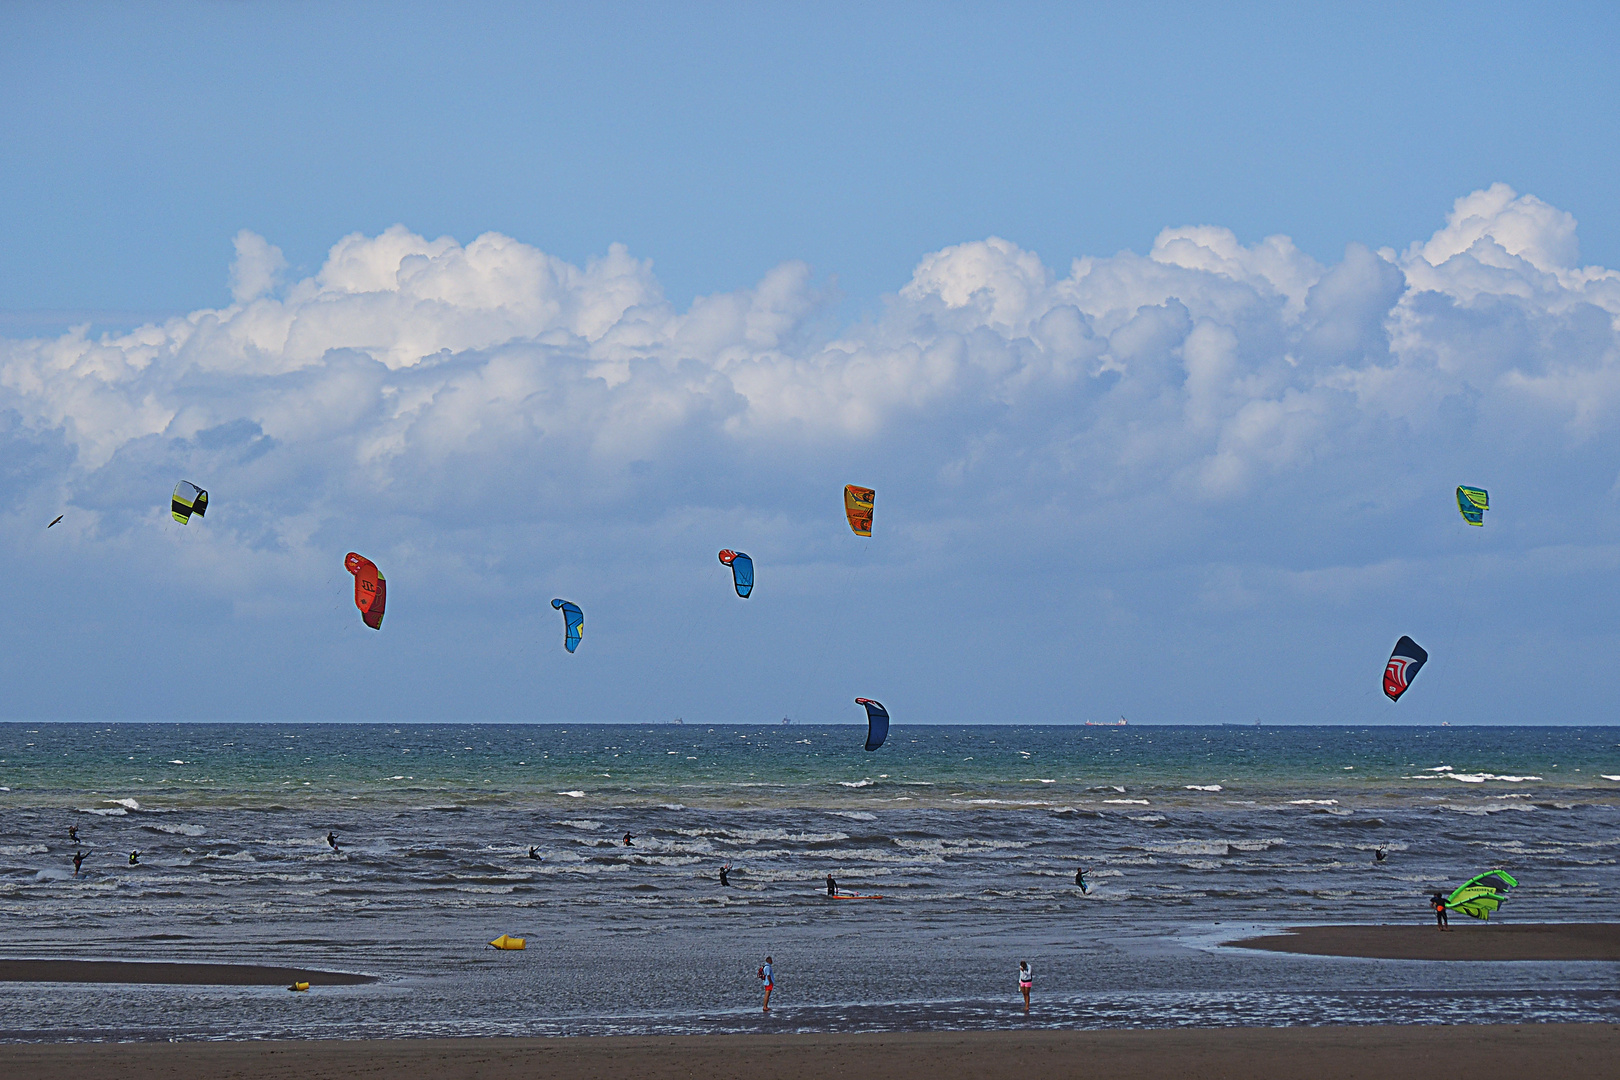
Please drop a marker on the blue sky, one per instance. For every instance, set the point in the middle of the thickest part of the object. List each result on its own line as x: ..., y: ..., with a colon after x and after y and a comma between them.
x: 1163, y: 333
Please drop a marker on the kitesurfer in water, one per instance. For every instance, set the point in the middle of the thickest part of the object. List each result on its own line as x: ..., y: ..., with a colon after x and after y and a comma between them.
x: 768, y: 977
x: 1080, y: 880
x: 1438, y: 902
x: 723, y: 870
x: 534, y: 853
x: 331, y: 838
x: 832, y: 886
x: 78, y: 861
x: 134, y: 858
x: 1380, y: 855
x: 627, y: 838
x: 1026, y: 981
x: 73, y: 833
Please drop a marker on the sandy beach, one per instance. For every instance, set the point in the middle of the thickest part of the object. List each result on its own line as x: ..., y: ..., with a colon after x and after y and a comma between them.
x: 1467, y: 940
x: 1329, y: 1053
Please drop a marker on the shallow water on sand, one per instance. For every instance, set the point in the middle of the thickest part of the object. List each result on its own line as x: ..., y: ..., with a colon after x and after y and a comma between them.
x: 972, y: 836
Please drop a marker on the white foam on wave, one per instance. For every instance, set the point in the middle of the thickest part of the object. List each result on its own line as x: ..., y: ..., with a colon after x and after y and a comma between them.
x: 1313, y: 802
x: 24, y: 849
x: 116, y: 811
x: 856, y: 783
x: 579, y: 823
x: 1127, y: 802
x: 572, y: 794
x: 127, y: 804
x: 1605, y: 776
x: 1036, y: 780
x: 1203, y: 787
x: 179, y: 830
x: 1187, y: 847
x: 853, y: 815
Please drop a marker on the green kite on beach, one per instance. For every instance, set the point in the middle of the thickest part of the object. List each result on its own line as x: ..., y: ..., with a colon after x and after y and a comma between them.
x: 1480, y: 895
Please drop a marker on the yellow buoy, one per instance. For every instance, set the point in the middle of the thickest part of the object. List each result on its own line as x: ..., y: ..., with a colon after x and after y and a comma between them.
x: 504, y: 942
x: 299, y: 986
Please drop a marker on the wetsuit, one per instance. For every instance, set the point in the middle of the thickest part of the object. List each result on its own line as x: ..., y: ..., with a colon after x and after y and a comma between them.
x: 627, y: 839
x: 1080, y: 880
x: 832, y: 886
x: 1439, y: 902
x: 331, y: 838
x: 723, y: 880
x: 533, y: 854
x: 134, y: 857
x: 1379, y: 856
x: 78, y: 861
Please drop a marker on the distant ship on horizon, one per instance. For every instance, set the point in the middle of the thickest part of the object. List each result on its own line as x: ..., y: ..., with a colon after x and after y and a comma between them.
x: 1121, y: 722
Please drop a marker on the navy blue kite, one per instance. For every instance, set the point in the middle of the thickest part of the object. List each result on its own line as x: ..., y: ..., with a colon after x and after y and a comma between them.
x: 573, y: 623
x: 1403, y: 667
x: 742, y: 571
x: 877, y: 722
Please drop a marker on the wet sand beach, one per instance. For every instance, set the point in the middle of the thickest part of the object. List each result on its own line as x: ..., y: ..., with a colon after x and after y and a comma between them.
x: 1571, y: 1051
x: 1465, y: 941
x: 170, y: 974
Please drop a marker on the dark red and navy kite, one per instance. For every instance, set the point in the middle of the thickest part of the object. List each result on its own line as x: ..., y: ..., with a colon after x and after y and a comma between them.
x: 1403, y: 667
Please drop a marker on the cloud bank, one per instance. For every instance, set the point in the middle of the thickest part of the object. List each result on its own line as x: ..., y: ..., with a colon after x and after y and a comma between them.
x: 1139, y: 460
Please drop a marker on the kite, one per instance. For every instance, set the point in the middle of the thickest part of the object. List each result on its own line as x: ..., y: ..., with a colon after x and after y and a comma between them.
x: 573, y: 623
x: 1404, y: 664
x: 877, y: 722
x: 1479, y: 896
x: 742, y: 571
x: 188, y: 499
x: 54, y: 520
x: 858, y: 508
x: 370, y: 589
x: 1472, y: 503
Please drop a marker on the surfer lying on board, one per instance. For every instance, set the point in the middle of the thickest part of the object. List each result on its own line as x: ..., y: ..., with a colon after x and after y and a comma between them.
x: 832, y: 886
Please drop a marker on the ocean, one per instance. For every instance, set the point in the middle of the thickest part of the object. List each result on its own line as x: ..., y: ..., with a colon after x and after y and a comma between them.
x: 1191, y: 836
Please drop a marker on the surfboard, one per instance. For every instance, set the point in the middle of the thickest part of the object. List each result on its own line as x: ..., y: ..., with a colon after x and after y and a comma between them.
x: 856, y: 896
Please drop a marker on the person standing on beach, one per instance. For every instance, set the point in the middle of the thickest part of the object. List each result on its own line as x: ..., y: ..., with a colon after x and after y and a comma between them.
x: 768, y: 977
x: 832, y: 886
x: 1438, y: 902
x: 1026, y: 981
x: 78, y: 861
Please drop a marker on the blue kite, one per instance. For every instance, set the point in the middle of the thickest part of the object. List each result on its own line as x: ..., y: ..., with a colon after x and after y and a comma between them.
x: 742, y: 571
x: 573, y: 623
x: 877, y: 722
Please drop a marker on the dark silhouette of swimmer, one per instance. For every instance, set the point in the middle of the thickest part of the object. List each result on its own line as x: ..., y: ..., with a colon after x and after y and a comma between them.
x: 627, y: 839
x: 723, y: 870
x: 331, y: 838
x: 134, y: 858
x: 832, y: 886
x: 73, y: 833
x: 1080, y: 880
x: 534, y: 853
x: 1438, y: 902
x: 1380, y: 855
x: 78, y: 861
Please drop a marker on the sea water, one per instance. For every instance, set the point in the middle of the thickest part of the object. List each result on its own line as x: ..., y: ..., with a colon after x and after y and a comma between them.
x: 1191, y: 836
